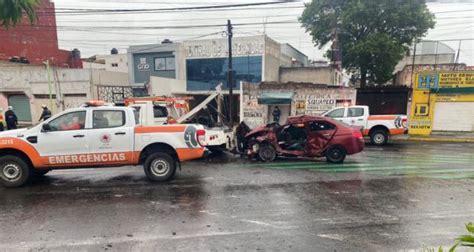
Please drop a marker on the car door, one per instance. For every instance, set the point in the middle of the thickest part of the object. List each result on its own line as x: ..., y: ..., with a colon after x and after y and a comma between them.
x: 319, y: 134
x: 337, y: 114
x: 66, y: 136
x: 111, y: 136
x: 355, y: 116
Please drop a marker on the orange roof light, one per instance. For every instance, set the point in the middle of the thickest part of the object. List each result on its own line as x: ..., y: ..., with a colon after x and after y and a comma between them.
x: 95, y: 103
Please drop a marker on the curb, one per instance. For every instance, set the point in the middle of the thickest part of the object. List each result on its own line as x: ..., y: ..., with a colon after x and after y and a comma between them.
x: 445, y: 140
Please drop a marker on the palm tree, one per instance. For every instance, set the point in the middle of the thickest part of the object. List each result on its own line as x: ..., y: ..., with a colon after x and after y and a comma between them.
x: 12, y: 11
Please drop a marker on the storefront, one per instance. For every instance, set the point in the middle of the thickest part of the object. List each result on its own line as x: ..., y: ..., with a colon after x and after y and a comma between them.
x: 442, y: 101
x: 259, y: 101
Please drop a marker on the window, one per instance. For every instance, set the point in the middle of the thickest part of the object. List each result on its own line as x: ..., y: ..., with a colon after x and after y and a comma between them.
x: 164, y: 64
x: 136, y: 114
x: 320, y: 126
x: 355, y: 112
x: 336, y: 113
x: 108, y: 119
x: 114, y: 64
x: 160, y: 111
x: 69, y: 121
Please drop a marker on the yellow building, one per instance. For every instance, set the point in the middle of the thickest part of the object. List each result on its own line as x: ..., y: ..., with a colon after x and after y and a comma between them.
x: 442, y: 101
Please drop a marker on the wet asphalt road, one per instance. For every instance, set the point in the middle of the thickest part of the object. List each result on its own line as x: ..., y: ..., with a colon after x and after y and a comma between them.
x: 405, y: 196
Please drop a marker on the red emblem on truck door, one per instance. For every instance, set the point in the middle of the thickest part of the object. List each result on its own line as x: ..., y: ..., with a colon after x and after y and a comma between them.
x: 105, y: 138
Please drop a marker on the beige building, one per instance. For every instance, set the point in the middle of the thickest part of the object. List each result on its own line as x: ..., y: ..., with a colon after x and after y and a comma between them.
x: 321, y: 75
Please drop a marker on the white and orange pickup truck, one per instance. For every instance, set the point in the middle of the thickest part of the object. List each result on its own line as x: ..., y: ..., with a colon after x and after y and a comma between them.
x: 97, y: 135
x: 378, y: 127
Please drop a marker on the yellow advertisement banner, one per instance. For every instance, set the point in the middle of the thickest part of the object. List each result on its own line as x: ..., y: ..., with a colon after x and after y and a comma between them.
x: 444, y: 79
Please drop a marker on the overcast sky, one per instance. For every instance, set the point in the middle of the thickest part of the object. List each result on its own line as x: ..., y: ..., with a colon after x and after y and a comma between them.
x: 96, y: 33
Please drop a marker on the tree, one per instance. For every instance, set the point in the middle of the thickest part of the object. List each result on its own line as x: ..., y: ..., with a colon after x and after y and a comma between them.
x: 12, y: 11
x: 373, y: 36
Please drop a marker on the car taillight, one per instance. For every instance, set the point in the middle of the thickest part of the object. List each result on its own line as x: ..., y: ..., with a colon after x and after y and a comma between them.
x: 357, y: 134
x: 201, y: 137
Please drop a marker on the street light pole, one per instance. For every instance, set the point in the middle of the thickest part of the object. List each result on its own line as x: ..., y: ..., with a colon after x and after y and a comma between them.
x: 229, y: 73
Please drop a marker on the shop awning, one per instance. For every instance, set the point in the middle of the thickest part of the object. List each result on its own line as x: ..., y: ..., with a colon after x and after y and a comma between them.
x: 275, y: 98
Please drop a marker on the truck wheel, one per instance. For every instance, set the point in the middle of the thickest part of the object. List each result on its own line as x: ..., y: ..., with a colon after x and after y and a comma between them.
x: 335, y: 154
x: 267, y: 153
x: 159, y: 167
x: 379, y: 137
x: 39, y: 173
x: 14, y: 171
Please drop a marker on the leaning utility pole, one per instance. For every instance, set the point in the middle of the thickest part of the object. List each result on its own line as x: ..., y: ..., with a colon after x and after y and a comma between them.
x: 229, y: 73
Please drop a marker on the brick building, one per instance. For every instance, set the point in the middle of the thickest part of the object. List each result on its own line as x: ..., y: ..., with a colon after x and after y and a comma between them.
x: 38, y: 42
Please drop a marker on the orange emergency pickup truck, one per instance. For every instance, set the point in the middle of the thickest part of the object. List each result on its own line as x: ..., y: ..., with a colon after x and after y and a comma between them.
x: 97, y: 135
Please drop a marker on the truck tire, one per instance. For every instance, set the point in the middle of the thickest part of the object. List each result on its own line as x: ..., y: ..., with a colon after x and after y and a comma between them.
x: 38, y: 173
x: 335, y: 154
x: 379, y: 137
x: 266, y: 152
x: 160, y: 167
x: 14, y: 171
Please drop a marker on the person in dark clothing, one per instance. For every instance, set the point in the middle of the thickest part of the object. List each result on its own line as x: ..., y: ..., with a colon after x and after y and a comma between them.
x: 46, y: 113
x: 276, y: 114
x: 11, y: 119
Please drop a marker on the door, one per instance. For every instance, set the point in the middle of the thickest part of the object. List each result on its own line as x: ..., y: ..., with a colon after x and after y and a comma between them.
x: 446, y: 113
x: 111, y: 136
x: 337, y: 114
x: 319, y: 134
x: 355, y: 116
x: 21, y: 107
x: 67, y: 136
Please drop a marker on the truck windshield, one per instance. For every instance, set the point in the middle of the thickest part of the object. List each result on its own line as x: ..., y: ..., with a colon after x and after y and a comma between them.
x: 160, y: 111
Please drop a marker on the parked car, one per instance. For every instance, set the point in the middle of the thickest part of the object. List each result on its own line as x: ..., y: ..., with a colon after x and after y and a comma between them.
x: 304, y: 136
x: 378, y: 127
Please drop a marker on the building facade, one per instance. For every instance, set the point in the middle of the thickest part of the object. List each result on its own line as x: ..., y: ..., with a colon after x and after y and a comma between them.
x: 257, y: 102
x: 198, y: 66
x: 35, y: 44
x: 442, y: 101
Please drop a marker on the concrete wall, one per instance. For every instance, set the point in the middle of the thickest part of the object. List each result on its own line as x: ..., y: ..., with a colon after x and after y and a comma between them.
x: 166, y: 86
x: 271, y: 60
x: 121, y: 61
x: 33, y: 82
x: 320, y: 75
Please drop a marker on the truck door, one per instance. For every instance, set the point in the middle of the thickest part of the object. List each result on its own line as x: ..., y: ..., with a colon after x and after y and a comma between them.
x: 356, y: 117
x: 319, y: 134
x: 66, y: 136
x: 111, y: 136
x: 337, y: 114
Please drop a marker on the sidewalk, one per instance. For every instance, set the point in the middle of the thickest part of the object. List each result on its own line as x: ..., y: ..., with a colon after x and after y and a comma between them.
x: 448, y: 137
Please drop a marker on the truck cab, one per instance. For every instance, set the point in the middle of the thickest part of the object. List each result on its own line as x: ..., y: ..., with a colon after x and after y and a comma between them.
x: 97, y: 135
x: 378, y: 127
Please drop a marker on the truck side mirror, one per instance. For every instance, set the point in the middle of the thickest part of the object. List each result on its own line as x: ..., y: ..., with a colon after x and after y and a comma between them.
x: 46, y: 127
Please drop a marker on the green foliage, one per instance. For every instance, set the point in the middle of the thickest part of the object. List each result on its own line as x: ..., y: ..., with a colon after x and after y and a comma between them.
x: 467, y: 240
x: 372, y: 35
x: 12, y: 11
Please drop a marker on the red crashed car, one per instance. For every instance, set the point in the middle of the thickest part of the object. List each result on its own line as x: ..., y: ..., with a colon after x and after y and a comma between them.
x: 303, y: 136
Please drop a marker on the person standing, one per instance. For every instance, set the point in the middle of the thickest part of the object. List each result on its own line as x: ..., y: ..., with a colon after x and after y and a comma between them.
x: 46, y: 114
x: 276, y: 114
x: 11, y: 119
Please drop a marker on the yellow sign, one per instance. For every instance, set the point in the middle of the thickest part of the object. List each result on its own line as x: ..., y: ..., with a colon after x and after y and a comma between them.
x: 444, y: 79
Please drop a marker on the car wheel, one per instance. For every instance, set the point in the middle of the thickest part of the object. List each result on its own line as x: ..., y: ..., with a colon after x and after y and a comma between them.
x: 379, y: 137
x: 335, y: 154
x: 267, y: 153
x: 14, y: 171
x: 159, y: 167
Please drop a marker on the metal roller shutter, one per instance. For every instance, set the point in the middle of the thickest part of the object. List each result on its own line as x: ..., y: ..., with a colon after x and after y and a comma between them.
x: 21, y: 107
x: 454, y: 116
